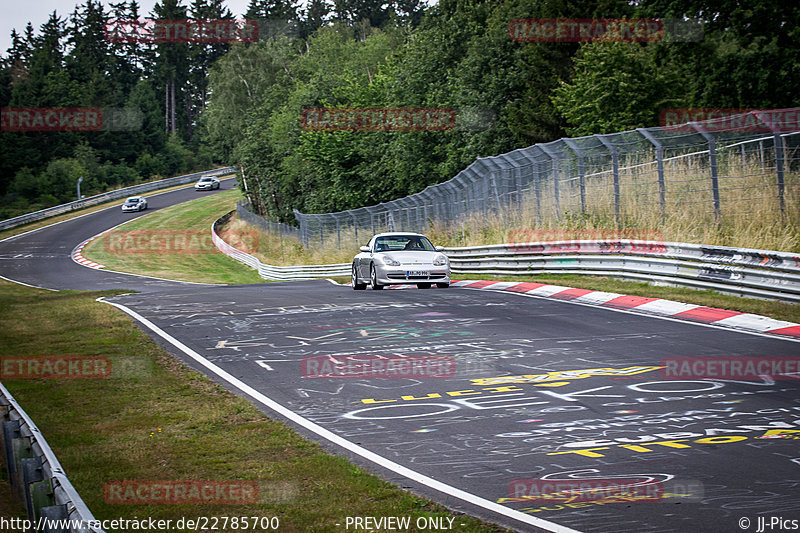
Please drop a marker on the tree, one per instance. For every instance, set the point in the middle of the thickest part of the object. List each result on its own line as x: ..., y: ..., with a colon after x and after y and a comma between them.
x: 172, y: 68
x: 617, y: 86
x: 313, y: 17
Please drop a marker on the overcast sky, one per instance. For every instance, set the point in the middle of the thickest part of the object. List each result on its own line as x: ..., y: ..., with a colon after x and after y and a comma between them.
x: 17, y: 15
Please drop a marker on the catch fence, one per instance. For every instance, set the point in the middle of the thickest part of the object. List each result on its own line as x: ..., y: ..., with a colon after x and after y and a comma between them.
x: 734, y: 167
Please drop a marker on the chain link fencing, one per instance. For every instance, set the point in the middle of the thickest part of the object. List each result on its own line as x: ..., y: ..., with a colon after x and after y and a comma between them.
x: 730, y: 169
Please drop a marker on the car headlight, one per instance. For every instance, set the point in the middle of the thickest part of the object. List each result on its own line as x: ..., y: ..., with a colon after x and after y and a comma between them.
x: 390, y: 261
x: 440, y: 260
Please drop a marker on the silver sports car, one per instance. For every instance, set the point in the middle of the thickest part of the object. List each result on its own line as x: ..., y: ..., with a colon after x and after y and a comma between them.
x: 394, y: 258
x: 134, y: 203
x: 206, y: 183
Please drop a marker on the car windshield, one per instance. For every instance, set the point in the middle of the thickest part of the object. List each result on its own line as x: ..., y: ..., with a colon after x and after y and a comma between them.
x: 132, y: 201
x: 206, y: 179
x: 398, y: 243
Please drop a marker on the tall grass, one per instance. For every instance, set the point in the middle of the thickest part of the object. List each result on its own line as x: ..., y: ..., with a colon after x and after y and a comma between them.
x: 750, y: 216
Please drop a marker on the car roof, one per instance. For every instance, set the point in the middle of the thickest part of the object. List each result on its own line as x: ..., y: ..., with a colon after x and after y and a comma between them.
x: 398, y: 233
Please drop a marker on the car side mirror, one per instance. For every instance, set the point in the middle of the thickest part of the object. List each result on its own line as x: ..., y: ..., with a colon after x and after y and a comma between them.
x: 439, y: 248
x: 364, y: 248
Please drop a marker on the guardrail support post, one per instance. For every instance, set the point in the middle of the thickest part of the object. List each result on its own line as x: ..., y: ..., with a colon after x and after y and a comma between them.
x: 11, y: 436
x: 54, y: 514
x: 38, y: 490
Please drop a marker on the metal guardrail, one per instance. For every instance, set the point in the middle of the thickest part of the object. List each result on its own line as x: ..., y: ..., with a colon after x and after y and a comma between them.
x: 276, y: 273
x: 739, y: 271
x: 744, y: 272
x: 111, y: 195
x: 37, y: 477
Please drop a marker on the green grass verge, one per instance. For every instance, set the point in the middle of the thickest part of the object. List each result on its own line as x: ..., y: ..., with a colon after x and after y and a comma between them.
x: 155, y: 419
x: 174, y: 243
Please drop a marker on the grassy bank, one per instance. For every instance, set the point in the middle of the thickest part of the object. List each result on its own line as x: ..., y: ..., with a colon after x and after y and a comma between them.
x: 155, y: 419
x: 174, y: 243
x: 750, y: 213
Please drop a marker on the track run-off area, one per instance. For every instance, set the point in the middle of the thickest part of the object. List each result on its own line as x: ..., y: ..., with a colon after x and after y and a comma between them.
x: 537, y: 414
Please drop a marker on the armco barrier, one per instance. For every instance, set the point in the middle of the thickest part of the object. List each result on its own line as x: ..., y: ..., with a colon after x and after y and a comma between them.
x: 35, y: 474
x: 276, y: 273
x: 740, y: 271
x: 111, y: 195
x: 744, y: 272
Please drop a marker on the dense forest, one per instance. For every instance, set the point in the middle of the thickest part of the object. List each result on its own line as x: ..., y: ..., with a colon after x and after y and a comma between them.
x: 204, y: 103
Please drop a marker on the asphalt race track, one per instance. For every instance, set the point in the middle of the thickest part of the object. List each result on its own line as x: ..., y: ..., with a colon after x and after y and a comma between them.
x: 42, y: 257
x: 533, y: 413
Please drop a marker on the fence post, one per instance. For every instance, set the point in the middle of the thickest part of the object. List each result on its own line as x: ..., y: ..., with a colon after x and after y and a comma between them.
x: 615, y: 174
x: 581, y: 170
x: 779, y: 170
x: 780, y: 155
x: 355, y: 227
x: 537, y: 187
x: 371, y: 221
x: 556, y: 167
x: 712, y: 157
x: 662, y: 188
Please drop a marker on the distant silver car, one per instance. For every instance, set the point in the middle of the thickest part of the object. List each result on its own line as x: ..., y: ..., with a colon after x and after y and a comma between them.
x: 206, y: 184
x: 395, y: 258
x: 134, y: 203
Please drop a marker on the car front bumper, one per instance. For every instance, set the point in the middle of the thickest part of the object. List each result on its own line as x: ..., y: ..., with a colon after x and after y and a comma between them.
x: 391, y: 275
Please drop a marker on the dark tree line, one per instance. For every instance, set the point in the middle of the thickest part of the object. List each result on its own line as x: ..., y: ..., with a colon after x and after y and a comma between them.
x: 508, y: 94
x: 242, y: 103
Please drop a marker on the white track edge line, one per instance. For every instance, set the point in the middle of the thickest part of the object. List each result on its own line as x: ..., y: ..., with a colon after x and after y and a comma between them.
x: 342, y: 442
x: 28, y: 284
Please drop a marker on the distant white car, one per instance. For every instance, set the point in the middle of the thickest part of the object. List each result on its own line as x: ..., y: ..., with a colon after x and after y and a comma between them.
x: 400, y: 258
x: 134, y: 203
x: 207, y: 183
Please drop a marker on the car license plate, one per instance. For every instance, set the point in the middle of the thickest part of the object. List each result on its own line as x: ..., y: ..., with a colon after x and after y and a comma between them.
x: 415, y: 273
